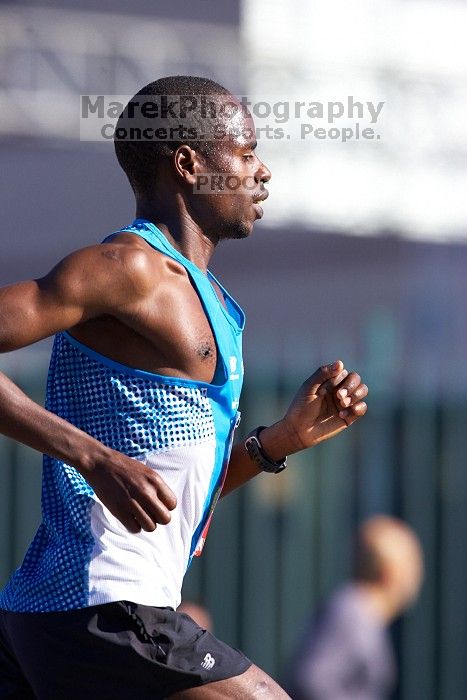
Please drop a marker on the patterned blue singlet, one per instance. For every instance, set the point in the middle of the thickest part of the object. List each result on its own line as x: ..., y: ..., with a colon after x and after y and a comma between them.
x: 81, y: 554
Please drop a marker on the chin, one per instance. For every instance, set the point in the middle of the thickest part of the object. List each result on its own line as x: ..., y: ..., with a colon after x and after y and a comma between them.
x: 236, y: 230
x: 241, y: 234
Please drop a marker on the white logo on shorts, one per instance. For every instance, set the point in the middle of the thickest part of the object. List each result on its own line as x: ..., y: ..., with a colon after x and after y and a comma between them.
x: 208, y: 662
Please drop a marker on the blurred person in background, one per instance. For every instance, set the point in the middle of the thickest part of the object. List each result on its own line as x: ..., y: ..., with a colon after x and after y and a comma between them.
x: 346, y: 653
x: 142, y: 403
x: 199, y: 613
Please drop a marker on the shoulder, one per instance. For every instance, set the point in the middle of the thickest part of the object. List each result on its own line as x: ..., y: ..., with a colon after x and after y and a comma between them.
x: 120, y: 271
x: 136, y: 260
x: 339, y: 617
x: 345, y: 607
x: 132, y: 261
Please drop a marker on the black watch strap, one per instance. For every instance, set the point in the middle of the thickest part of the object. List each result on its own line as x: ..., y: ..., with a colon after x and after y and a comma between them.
x: 259, y: 457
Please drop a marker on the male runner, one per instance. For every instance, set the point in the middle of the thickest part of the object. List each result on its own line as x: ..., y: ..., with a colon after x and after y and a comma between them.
x: 142, y: 398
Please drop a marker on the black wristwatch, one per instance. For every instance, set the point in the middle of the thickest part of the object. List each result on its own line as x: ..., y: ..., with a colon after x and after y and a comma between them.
x: 257, y: 454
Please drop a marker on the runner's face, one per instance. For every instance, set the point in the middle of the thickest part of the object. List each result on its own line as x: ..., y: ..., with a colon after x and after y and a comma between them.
x: 232, y: 188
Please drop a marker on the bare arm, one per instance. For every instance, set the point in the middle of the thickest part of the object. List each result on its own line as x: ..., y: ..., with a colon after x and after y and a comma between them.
x: 325, y: 405
x: 88, y: 283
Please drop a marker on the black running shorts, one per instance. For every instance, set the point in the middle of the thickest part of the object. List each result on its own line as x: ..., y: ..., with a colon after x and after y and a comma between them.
x: 116, y: 651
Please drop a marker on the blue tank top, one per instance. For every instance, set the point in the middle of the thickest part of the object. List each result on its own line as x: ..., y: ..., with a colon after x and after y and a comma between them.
x: 81, y: 554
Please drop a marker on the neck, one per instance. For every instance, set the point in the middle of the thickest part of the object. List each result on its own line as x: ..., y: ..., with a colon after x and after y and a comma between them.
x: 380, y: 602
x: 175, y: 222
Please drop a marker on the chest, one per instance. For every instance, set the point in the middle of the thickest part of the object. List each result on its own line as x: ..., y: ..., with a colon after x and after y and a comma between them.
x: 182, y: 331
x: 170, y: 332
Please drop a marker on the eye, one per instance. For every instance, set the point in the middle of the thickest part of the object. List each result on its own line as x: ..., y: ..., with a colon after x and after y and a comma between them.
x: 248, y: 156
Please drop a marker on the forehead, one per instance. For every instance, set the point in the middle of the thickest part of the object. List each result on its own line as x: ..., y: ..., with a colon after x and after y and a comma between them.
x: 238, y: 123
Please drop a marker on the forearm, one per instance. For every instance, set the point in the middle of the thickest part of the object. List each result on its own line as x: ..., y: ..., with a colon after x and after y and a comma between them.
x: 25, y: 421
x: 277, y: 442
x: 325, y: 405
x: 133, y: 492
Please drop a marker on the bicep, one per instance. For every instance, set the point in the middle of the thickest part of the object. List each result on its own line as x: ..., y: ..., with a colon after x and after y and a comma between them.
x: 80, y: 287
x: 30, y: 311
x: 98, y: 280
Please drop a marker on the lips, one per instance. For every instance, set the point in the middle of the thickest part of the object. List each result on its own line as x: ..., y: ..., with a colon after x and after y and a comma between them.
x: 260, y: 197
x: 258, y: 210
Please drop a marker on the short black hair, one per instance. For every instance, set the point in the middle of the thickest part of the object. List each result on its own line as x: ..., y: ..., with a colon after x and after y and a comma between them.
x: 139, y: 156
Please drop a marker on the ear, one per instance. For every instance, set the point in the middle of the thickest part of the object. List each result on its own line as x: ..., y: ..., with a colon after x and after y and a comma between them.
x: 188, y: 163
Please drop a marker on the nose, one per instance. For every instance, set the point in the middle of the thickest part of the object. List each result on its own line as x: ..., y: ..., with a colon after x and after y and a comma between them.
x: 263, y: 174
